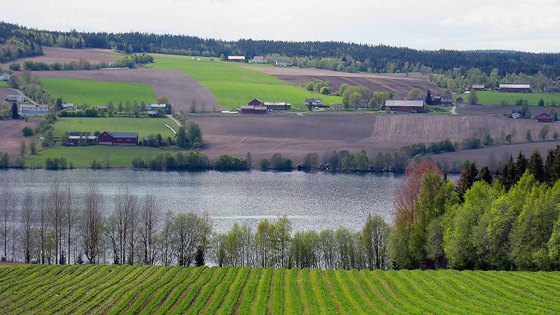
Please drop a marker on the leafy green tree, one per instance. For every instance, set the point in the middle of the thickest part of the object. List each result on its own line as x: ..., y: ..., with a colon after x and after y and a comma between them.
x: 533, y: 229
x: 27, y: 131
x: 473, y: 98
x: 529, y: 136
x: 460, y: 246
x: 414, y: 94
x: 541, y: 102
x: 543, y: 132
x: 311, y: 160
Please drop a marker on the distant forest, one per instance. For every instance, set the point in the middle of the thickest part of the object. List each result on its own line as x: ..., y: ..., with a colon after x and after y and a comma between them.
x: 17, y: 41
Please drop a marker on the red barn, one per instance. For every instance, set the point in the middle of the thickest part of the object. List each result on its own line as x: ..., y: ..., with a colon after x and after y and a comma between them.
x: 255, y: 102
x: 411, y: 106
x: 249, y: 109
x: 118, y: 138
x: 544, y: 118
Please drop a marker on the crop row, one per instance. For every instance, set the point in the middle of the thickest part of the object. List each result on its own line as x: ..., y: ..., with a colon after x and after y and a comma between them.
x: 227, y: 290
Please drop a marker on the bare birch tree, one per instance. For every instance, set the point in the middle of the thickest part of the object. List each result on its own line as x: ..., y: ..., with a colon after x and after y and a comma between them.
x: 92, y: 224
x: 27, y: 225
x: 150, y: 221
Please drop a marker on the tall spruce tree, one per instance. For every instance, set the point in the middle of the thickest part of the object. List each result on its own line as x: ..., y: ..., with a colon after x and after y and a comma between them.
x: 536, y: 166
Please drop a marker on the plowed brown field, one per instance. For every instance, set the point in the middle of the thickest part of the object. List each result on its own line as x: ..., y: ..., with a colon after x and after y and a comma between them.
x: 295, y: 136
x: 398, y: 84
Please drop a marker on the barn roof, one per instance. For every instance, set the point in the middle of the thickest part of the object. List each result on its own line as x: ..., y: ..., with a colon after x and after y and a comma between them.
x: 123, y: 134
x: 515, y: 86
x: 405, y: 103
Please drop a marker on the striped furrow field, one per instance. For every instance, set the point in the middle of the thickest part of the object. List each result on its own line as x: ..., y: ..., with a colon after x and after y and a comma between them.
x: 235, y: 290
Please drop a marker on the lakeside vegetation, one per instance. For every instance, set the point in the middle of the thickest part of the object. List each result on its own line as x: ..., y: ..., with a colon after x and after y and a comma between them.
x: 160, y: 290
x: 97, y: 92
x: 233, y: 86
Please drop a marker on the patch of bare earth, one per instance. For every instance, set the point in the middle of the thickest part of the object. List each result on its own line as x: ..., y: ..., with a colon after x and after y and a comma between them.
x: 63, y: 55
x: 467, y: 109
x: 11, y: 136
x: 181, y: 89
x: 4, y: 92
x: 398, y: 84
x: 295, y: 136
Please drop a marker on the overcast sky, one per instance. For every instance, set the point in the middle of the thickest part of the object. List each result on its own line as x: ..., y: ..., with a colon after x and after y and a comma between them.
x: 526, y: 25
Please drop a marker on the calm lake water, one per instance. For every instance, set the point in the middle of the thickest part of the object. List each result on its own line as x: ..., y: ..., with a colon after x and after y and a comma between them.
x: 313, y: 201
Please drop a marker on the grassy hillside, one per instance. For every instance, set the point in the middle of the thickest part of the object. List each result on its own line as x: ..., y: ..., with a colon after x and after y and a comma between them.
x: 144, y: 126
x: 82, y: 157
x: 98, y: 92
x: 233, y: 86
x: 173, y: 290
x: 498, y: 98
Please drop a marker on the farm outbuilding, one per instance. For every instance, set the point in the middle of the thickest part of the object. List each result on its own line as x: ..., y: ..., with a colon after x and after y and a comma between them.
x: 410, y: 106
x: 118, y: 138
x: 478, y: 87
x: 259, y: 59
x: 235, y: 58
x: 544, y: 118
x: 15, y: 98
x: 515, y: 87
x: 250, y: 109
x: 32, y: 110
x: 277, y: 106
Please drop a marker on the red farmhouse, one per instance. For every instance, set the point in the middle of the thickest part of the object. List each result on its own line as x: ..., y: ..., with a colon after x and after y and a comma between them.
x: 405, y: 106
x: 544, y: 118
x: 118, y: 138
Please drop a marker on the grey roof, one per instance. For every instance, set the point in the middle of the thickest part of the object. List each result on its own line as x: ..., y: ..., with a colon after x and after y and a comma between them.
x: 123, y: 134
x: 405, y: 103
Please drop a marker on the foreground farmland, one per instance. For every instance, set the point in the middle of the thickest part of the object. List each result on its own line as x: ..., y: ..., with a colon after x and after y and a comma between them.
x: 162, y: 290
x: 98, y: 92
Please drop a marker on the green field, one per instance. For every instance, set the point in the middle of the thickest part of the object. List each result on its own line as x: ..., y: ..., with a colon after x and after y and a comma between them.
x: 82, y: 157
x: 178, y: 290
x: 233, y: 86
x: 98, y: 92
x: 497, y: 98
x: 144, y: 126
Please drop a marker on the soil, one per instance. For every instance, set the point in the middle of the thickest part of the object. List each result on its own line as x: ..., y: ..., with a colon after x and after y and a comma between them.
x: 62, y: 55
x: 180, y: 88
x: 11, y: 136
x: 398, y: 84
x: 499, y: 110
x: 295, y: 136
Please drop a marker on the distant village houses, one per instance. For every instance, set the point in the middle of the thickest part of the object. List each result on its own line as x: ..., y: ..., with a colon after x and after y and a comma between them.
x: 283, y: 63
x: 478, y: 87
x: 259, y: 59
x: 313, y: 101
x: 515, y: 87
x: 68, y: 106
x: 15, y: 98
x: 544, y: 118
x: 410, y: 106
x: 32, y: 110
x: 256, y: 106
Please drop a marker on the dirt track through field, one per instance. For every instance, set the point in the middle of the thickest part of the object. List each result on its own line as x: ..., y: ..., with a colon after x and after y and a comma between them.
x: 295, y: 136
x: 11, y: 136
x: 180, y: 88
x: 63, y: 55
x: 399, y: 85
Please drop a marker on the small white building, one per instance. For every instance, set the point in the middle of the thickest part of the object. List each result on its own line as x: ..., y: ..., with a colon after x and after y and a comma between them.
x: 68, y: 106
x: 259, y: 59
x: 283, y: 63
x: 4, y: 76
x: 32, y: 110
x: 236, y: 58
x: 15, y: 98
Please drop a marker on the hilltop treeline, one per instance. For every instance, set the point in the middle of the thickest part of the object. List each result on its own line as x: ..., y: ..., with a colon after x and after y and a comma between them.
x: 360, y: 57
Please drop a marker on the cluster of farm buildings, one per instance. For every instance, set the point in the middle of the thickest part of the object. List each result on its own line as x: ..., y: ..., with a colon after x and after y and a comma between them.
x: 39, y: 110
x: 259, y: 60
x: 506, y: 87
x: 106, y: 137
